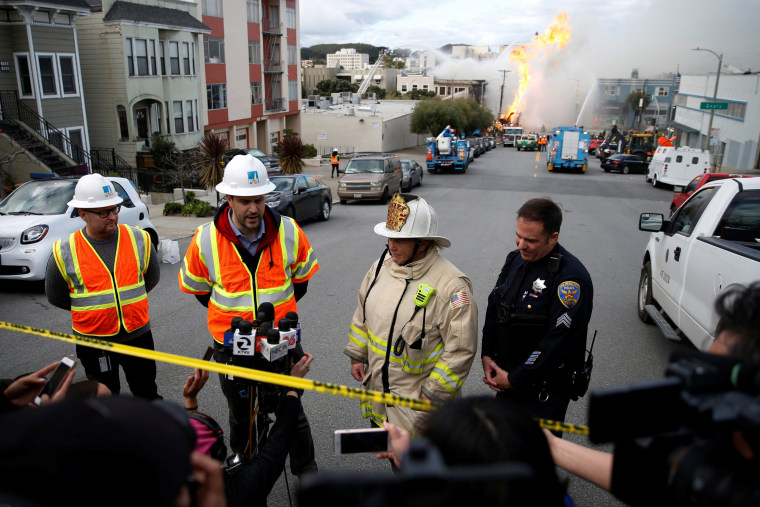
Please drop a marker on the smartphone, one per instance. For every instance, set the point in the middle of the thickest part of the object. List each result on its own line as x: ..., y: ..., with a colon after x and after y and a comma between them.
x: 208, y: 354
x: 364, y: 440
x: 55, y: 378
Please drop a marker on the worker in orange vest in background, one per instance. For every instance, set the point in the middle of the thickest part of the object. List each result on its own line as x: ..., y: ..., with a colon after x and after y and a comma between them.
x: 335, y: 159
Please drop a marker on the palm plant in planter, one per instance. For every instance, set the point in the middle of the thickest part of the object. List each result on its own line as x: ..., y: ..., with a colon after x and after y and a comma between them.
x: 209, y: 159
x: 291, y: 153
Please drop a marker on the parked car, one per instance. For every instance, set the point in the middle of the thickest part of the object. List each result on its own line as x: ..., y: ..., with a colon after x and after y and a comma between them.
x: 476, y: 147
x: 594, y: 145
x: 271, y: 163
x: 370, y: 177
x: 36, y: 215
x: 527, y: 142
x: 411, y: 173
x: 625, y: 163
x: 606, y: 149
x: 677, y: 166
x: 696, y: 183
x: 300, y: 196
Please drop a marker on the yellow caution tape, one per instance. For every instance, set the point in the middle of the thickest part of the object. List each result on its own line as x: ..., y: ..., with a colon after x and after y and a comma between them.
x: 263, y: 376
x: 236, y: 371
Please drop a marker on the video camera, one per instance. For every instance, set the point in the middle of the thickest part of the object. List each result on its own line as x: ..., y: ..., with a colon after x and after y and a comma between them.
x: 692, y: 438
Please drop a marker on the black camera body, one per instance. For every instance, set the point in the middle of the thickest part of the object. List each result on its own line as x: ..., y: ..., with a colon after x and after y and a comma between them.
x: 676, y: 438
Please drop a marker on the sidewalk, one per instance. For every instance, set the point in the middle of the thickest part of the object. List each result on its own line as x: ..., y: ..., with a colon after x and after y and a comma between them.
x: 176, y: 227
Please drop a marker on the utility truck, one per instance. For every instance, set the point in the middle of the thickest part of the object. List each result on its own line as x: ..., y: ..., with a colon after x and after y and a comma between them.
x: 447, y: 152
x: 568, y: 149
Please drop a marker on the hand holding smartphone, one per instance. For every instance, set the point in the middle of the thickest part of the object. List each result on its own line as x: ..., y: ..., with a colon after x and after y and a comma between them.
x: 55, y: 379
x: 362, y: 440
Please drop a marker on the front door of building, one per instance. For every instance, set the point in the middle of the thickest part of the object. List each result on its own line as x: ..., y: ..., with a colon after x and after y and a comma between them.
x: 143, y: 123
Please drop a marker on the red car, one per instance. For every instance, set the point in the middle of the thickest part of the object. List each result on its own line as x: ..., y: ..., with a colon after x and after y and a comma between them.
x: 697, y: 182
x: 593, y: 145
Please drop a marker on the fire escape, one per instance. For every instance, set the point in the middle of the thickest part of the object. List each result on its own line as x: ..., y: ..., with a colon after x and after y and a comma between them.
x: 272, y: 63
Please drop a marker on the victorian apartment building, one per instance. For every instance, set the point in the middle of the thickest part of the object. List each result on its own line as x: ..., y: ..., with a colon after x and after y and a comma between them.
x: 252, y: 70
x: 142, y: 74
x: 41, y: 98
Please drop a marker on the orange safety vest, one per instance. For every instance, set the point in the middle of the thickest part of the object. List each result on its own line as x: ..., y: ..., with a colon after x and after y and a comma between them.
x: 213, y: 264
x: 97, y: 307
x: 335, y: 159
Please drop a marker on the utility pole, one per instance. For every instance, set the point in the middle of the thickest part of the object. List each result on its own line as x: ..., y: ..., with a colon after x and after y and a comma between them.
x: 713, y: 156
x: 501, y: 97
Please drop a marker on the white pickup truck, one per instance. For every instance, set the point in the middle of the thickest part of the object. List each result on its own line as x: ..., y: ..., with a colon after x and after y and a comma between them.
x: 711, y: 243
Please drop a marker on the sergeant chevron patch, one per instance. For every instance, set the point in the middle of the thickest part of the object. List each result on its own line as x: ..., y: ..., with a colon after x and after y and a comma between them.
x: 564, y: 320
x: 533, y: 357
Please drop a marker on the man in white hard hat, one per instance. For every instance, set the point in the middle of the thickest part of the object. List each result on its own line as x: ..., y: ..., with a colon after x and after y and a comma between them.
x: 102, y: 273
x: 414, y: 332
x: 248, y: 255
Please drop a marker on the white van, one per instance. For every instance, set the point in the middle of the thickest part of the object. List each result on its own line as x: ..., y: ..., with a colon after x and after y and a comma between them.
x: 677, y: 166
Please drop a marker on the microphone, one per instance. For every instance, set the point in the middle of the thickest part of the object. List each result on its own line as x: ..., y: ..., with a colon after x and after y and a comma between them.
x: 265, y: 313
x: 297, y: 352
x: 273, y: 348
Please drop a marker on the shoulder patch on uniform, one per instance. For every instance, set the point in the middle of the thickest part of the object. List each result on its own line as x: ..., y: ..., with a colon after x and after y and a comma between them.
x: 459, y: 299
x: 569, y: 293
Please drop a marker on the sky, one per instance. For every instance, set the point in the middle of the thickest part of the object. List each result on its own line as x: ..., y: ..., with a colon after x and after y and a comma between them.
x: 608, y: 38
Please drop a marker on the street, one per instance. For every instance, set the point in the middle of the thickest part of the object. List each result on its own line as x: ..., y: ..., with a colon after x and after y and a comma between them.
x: 477, y: 212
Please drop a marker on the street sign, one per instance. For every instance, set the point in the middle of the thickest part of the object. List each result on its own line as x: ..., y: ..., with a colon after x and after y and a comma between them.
x: 713, y: 105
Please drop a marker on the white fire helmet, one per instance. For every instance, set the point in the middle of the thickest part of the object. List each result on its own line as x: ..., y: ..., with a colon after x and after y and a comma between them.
x: 245, y: 176
x: 411, y: 217
x: 94, y: 191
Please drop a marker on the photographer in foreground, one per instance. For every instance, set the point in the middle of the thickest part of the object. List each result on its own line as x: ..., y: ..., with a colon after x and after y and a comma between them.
x: 480, y: 430
x: 737, y: 335
x: 249, y: 483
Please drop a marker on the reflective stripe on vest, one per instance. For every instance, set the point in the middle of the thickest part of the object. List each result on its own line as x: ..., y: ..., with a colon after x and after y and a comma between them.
x: 378, y: 346
x: 96, y: 308
x: 335, y: 159
x: 227, y: 297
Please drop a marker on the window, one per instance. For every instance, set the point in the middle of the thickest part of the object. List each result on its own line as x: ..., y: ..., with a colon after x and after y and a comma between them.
x: 68, y: 76
x: 130, y: 58
x: 179, y: 126
x: 48, y: 77
x: 24, y: 76
x: 168, y: 118
x: 121, y: 113
x: 403, y: 88
x: 256, y: 97
x: 274, y: 16
x: 174, y: 57
x: 254, y: 52
x: 292, y: 54
x: 424, y: 87
x: 214, y: 49
x: 663, y: 91
x: 189, y: 113
x: 186, y: 57
x: 414, y: 86
x: 741, y: 221
x: 216, y: 96
x: 612, y: 90
x: 254, y: 11
x: 141, y: 57
x: 197, y: 125
x: 695, y: 160
x: 41, y: 16
x: 212, y: 8
x: 192, y: 58
x: 688, y: 215
x: 161, y: 54
x: 152, y: 53
x: 679, y: 159
x: 293, y: 90
x: 736, y: 110
x: 290, y: 14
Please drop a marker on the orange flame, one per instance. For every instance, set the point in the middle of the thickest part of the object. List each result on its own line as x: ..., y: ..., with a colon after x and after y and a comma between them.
x: 557, y: 34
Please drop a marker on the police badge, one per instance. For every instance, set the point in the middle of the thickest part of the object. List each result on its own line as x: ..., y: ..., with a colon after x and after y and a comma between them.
x: 569, y: 293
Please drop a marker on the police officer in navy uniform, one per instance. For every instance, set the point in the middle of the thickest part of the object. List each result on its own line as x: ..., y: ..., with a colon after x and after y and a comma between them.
x: 534, y: 336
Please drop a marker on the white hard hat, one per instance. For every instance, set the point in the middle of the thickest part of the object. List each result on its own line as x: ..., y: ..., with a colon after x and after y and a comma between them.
x: 246, y: 176
x: 411, y: 217
x: 94, y: 191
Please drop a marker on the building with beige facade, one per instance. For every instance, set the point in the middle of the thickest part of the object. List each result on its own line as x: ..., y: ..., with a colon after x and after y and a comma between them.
x: 348, y: 58
x: 142, y: 75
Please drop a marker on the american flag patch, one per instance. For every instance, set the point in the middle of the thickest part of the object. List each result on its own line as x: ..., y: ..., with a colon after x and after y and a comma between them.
x: 459, y: 299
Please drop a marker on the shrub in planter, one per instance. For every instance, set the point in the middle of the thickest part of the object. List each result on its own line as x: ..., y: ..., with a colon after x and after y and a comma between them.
x: 172, y: 208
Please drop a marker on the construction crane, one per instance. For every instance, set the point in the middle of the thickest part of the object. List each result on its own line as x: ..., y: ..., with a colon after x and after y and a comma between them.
x: 368, y: 78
